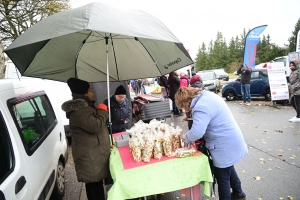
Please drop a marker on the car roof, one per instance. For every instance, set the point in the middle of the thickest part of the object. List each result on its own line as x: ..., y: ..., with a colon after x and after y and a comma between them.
x: 206, y: 71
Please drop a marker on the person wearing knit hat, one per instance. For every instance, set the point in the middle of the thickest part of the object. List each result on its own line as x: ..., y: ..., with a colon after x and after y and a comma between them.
x: 88, y: 127
x: 120, y: 90
x: 78, y: 86
x: 120, y: 109
x: 196, y: 81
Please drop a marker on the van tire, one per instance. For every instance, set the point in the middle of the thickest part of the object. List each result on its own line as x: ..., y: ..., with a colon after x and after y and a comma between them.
x: 268, y: 95
x: 59, y: 187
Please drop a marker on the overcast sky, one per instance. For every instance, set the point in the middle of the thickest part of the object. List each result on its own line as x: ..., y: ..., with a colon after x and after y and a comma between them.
x: 196, y: 21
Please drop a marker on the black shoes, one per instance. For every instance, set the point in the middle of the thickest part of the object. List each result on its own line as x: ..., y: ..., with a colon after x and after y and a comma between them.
x: 237, y: 196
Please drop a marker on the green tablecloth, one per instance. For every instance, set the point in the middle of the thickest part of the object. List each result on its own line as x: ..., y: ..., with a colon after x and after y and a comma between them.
x: 161, y: 177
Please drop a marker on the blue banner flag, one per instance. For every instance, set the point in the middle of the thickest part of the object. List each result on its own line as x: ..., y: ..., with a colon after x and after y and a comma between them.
x: 251, y: 41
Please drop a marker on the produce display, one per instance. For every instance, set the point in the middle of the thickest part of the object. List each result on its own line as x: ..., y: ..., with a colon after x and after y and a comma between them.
x: 155, y: 140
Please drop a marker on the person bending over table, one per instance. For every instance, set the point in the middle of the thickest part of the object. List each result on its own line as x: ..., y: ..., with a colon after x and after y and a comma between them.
x: 213, y: 120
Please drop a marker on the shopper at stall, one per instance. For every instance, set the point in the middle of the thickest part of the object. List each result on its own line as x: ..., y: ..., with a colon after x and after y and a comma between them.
x: 295, y: 88
x: 174, y: 84
x: 196, y: 82
x: 212, y: 119
x: 184, y: 80
x: 88, y: 127
x: 120, y: 109
x: 163, y: 81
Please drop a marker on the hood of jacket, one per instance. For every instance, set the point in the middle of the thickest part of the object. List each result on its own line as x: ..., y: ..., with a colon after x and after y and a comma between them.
x: 295, y: 78
x: 78, y: 102
x: 297, y: 63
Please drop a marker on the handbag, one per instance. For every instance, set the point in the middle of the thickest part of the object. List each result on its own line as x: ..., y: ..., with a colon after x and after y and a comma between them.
x: 200, y: 144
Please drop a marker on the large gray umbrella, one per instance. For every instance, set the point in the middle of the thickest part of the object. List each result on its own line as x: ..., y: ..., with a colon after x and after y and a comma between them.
x: 73, y: 44
x: 97, y: 42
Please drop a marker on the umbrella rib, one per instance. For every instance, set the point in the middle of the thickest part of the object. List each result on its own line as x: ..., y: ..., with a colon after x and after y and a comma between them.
x: 113, y: 48
x: 148, y: 53
x: 76, y: 58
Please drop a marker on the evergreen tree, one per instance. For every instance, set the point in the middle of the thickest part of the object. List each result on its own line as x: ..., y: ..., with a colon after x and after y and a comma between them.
x: 232, y: 50
x: 201, y: 59
x: 219, y: 53
x: 293, y: 38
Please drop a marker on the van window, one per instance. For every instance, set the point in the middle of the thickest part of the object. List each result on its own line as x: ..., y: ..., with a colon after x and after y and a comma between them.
x: 254, y: 75
x: 6, y: 153
x: 264, y: 73
x: 34, y: 118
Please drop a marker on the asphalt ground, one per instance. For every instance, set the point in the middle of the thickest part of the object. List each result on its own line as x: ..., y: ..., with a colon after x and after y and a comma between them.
x: 270, y: 171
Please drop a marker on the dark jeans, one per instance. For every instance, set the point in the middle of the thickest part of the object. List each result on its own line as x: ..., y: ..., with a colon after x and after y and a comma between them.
x: 245, y: 89
x: 175, y: 109
x: 227, y: 178
x: 95, y: 191
x: 295, y: 102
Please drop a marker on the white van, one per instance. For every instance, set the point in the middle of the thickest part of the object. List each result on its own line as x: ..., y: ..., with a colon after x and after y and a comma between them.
x: 286, y: 64
x: 33, y: 147
x: 60, y: 91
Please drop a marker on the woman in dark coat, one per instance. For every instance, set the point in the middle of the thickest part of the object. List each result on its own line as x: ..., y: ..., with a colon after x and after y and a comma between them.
x: 88, y: 126
x: 174, y: 84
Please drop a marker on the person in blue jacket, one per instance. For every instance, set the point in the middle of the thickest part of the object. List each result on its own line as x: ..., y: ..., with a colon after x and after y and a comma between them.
x: 120, y: 109
x: 213, y: 120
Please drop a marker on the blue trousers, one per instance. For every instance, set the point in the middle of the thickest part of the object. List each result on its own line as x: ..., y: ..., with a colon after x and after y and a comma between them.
x: 245, y: 88
x: 227, y: 178
x: 175, y: 109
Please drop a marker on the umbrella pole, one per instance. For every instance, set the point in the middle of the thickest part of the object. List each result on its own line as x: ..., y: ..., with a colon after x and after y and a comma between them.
x: 108, y: 95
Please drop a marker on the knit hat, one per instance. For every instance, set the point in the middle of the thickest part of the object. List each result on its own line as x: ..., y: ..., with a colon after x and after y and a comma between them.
x: 195, y: 78
x: 78, y: 86
x: 120, y: 90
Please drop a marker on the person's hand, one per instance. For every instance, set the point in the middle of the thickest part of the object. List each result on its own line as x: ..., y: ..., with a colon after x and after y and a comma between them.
x: 103, y: 107
x: 183, y: 137
x: 125, y: 122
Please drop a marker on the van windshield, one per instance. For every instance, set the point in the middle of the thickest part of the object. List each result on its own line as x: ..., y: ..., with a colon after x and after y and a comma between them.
x: 281, y: 60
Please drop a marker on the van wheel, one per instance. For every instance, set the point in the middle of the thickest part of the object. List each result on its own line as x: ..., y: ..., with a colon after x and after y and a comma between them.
x: 229, y: 95
x: 268, y: 95
x: 59, y: 188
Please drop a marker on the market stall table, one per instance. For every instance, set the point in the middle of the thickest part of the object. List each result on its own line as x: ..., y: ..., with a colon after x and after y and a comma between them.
x: 132, y: 180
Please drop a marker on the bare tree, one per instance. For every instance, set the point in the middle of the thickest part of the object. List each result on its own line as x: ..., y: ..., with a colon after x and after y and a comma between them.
x: 17, y: 16
x: 2, y: 61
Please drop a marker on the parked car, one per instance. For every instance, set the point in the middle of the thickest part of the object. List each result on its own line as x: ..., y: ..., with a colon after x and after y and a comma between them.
x: 33, y: 146
x: 221, y: 74
x: 259, y: 86
x: 210, y: 80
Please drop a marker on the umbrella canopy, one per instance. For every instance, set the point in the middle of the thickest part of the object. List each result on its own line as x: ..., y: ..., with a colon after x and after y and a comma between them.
x: 82, y: 42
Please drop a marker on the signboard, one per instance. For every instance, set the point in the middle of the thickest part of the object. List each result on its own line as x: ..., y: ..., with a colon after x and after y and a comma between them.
x: 293, y: 56
x: 277, y: 80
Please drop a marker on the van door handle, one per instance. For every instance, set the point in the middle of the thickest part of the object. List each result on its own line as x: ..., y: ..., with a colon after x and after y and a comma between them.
x: 2, y: 197
x: 20, y: 184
